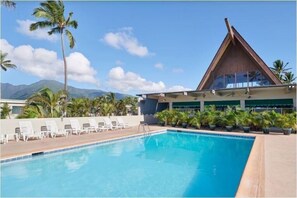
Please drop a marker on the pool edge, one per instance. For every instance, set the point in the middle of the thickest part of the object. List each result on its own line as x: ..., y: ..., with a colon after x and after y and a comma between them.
x: 252, y: 183
x: 81, y: 145
x: 252, y: 180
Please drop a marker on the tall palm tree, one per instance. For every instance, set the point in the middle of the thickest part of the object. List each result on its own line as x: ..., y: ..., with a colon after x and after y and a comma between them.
x: 289, y: 78
x: 52, y: 13
x: 5, y: 63
x: 8, y: 3
x: 279, y: 69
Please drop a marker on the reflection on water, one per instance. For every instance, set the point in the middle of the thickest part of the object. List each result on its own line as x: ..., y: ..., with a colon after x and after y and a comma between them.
x: 19, y: 171
x: 74, y: 164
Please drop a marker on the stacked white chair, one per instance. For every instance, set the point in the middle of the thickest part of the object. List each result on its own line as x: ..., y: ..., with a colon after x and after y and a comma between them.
x: 121, y: 123
x: 76, y: 129
x: 26, y: 131
x: 53, y: 129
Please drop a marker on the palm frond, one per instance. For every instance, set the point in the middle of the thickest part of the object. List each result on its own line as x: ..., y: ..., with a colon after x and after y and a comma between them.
x: 55, y: 30
x: 5, y: 63
x: 8, y: 3
x: 73, y: 24
x: 41, y: 24
x: 70, y: 38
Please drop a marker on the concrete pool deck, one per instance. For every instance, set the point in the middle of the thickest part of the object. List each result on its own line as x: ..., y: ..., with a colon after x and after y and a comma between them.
x: 279, y: 155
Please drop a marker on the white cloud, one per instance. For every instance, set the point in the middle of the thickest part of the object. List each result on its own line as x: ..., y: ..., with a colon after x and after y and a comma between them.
x: 178, y: 88
x: 177, y: 70
x: 129, y: 81
x: 45, y: 64
x: 159, y: 66
x: 40, y: 34
x: 124, y: 39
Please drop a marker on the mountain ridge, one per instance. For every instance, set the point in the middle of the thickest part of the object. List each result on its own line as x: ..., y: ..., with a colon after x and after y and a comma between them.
x: 22, y: 92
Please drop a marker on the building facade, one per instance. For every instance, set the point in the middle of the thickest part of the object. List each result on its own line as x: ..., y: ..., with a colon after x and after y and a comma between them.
x: 16, y: 106
x: 237, y: 76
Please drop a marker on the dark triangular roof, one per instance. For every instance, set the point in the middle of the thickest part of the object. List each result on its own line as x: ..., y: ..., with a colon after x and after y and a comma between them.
x: 238, y: 40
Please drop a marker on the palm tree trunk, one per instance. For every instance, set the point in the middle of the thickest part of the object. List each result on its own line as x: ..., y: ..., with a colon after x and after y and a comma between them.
x: 64, y: 113
x: 65, y: 64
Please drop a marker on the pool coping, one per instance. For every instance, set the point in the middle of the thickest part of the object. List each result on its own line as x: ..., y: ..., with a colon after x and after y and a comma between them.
x: 72, y: 147
x: 252, y: 180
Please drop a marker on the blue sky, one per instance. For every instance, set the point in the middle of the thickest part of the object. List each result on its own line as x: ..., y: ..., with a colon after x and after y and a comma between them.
x: 138, y: 47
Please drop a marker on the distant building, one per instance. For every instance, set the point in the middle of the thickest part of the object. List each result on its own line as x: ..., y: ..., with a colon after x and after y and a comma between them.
x: 16, y: 106
x: 237, y: 76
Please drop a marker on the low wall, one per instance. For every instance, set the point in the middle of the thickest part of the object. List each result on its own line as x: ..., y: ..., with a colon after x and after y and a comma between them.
x: 8, y: 125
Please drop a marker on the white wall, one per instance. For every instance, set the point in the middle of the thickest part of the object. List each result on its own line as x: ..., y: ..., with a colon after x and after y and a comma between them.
x: 8, y: 126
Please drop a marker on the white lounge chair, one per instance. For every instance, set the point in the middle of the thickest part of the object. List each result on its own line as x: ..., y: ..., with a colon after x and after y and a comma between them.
x: 121, y: 123
x: 26, y: 131
x: 75, y: 126
x: 108, y: 124
x: 3, y: 138
x: 94, y: 126
x: 53, y: 129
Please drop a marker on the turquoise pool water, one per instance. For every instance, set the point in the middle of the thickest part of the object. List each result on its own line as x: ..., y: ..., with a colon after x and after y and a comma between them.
x: 167, y: 164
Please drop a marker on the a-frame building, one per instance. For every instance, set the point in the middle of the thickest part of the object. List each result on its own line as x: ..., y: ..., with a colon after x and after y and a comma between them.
x: 235, y: 76
x: 235, y: 56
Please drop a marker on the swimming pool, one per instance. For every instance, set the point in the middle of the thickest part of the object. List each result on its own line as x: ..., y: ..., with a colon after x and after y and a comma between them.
x: 166, y: 164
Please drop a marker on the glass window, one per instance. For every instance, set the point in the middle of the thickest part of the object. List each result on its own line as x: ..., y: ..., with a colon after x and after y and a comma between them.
x: 241, y: 79
x: 218, y: 83
x: 230, y: 81
x: 16, y: 110
x: 257, y: 79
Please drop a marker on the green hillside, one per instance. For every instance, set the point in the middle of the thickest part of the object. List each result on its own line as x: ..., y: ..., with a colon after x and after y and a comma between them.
x: 22, y: 92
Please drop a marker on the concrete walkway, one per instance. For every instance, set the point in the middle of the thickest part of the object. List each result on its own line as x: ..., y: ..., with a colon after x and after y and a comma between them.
x: 13, y: 148
x: 279, y: 154
x: 280, y: 166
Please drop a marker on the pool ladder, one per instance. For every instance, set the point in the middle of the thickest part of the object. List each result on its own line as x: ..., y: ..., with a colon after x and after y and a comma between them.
x: 145, y: 128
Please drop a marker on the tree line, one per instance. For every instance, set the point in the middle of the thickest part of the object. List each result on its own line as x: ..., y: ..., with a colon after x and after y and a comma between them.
x: 47, y: 104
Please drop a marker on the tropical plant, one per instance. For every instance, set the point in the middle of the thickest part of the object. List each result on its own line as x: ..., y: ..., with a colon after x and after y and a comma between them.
x: 8, y: 3
x: 5, y: 110
x: 172, y: 117
x: 230, y: 117
x: 5, y: 64
x: 291, y: 120
x: 47, y: 102
x: 133, y: 102
x: 273, y: 117
x: 30, y: 111
x: 120, y: 108
x: 287, y: 121
x: 183, y: 118
x: 105, y: 105
x: 255, y: 125
x: 245, y: 119
x: 52, y: 13
x: 264, y: 121
x: 196, y: 120
x: 210, y: 116
x: 161, y: 117
x: 79, y: 107
x: 288, y: 78
x: 279, y: 69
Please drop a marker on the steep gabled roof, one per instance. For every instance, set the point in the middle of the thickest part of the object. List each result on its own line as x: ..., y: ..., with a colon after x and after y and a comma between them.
x: 237, y: 39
